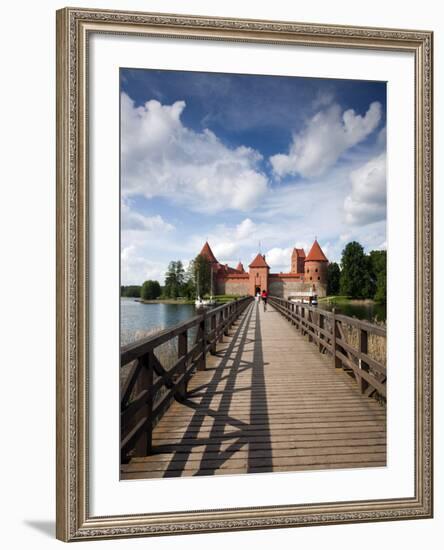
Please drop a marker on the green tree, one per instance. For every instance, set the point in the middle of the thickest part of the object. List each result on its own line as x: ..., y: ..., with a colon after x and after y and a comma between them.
x: 189, y: 286
x: 201, y: 269
x: 150, y: 290
x: 378, y: 260
x: 130, y: 291
x: 174, y: 279
x: 189, y: 290
x: 355, y: 280
x: 333, y: 277
x: 369, y: 283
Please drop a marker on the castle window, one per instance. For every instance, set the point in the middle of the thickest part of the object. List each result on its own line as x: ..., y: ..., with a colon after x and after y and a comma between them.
x: 319, y: 278
x: 308, y: 271
x: 311, y: 278
x: 316, y: 270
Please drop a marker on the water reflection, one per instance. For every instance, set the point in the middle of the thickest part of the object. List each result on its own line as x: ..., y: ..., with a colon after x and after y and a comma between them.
x: 366, y: 311
x: 138, y: 320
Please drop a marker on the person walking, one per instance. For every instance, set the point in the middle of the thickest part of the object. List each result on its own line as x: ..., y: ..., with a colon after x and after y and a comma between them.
x: 264, y: 297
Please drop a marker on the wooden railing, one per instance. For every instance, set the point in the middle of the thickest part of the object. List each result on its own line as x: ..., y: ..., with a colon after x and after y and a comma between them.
x: 150, y: 386
x: 327, y: 330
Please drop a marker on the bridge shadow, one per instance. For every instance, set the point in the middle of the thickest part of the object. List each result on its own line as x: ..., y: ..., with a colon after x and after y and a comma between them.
x: 216, y: 447
x: 259, y: 408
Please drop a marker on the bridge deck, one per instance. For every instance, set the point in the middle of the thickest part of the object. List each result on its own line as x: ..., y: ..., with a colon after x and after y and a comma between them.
x: 268, y: 401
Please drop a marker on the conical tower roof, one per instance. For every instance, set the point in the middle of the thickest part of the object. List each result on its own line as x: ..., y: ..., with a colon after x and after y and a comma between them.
x: 316, y: 254
x: 259, y: 261
x: 240, y: 267
x: 207, y: 253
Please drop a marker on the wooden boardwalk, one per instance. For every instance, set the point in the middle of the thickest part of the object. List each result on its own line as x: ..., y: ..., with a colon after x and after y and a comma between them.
x: 268, y: 401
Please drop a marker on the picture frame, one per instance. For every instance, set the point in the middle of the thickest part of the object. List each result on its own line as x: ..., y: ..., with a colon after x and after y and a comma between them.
x: 75, y: 27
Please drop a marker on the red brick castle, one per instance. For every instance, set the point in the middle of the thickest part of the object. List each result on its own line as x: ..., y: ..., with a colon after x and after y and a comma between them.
x: 308, y: 275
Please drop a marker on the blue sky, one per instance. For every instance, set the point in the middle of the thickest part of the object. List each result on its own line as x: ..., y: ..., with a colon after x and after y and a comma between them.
x: 243, y: 159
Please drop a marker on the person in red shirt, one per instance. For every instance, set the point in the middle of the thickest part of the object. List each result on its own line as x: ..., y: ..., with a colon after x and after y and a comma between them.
x: 264, y: 297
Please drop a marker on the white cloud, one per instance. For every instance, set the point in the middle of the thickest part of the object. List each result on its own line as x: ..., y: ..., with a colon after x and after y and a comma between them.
x: 245, y: 229
x: 136, y: 268
x: 367, y: 200
x: 225, y: 250
x: 279, y: 258
x: 326, y: 137
x: 161, y: 157
x: 322, y: 99
x: 134, y: 221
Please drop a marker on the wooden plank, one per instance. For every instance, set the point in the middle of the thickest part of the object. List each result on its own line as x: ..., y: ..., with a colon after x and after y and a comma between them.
x: 274, y: 453
x: 246, y: 463
x: 241, y: 471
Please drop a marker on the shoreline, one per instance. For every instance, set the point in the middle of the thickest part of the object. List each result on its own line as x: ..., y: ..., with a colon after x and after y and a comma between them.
x: 165, y: 301
x: 345, y: 300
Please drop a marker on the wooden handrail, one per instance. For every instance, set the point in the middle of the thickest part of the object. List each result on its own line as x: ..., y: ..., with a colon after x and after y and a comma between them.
x: 325, y: 329
x: 143, y: 399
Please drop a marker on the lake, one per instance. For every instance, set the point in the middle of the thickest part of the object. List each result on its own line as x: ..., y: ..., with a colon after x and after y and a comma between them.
x: 138, y: 320
x: 368, y: 312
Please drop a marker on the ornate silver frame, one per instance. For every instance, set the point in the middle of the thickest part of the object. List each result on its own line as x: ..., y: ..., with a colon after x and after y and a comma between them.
x: 74, y: 521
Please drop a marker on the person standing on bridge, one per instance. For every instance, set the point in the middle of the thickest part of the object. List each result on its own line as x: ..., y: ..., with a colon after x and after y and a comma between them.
x: 264, y: 297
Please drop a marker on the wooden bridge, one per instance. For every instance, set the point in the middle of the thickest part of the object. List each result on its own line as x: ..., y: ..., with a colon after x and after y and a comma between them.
x: 253, y: 391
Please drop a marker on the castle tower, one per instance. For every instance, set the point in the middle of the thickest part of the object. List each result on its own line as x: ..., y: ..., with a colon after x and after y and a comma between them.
x: 207, y: 253
x: 240, y: 267
x: 315, y: 265
x: 297, y: 261
x: 259, y: 270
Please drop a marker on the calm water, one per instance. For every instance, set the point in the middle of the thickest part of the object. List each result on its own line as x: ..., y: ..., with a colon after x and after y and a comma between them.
x: 368, y: 312
x: 138, y: 320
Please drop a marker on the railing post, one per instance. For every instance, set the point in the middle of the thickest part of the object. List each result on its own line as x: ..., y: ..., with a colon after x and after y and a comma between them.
x: 226, y: 315
x: 363, y: 347
x: 309, y: 328
x: 213, y: 330
x: 144, y: 444
x: 302, y: 319
x: 221, y: 322
x: 182, y: 350
x: 321, y: 327
x: 337, y: 363
x: 201, y: 365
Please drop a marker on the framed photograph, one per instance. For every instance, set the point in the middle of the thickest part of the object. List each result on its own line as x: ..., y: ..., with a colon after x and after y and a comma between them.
x: 244, y: 274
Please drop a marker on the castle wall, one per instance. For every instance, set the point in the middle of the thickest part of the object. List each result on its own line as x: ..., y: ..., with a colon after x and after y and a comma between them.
x: 235, y: 286
x: 283, y: 287
x: 280, y: 285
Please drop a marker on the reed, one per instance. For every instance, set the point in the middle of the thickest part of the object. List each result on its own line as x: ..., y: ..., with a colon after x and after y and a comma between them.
x: 165, y: 353
x: 377, y: 349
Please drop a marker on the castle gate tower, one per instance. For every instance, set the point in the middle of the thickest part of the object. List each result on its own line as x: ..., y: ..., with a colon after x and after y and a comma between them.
x: 259, y: 270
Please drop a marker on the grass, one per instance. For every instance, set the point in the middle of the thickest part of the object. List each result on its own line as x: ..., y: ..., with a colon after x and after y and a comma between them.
x: 225, y: 298
x: 338, y: 300
x: 161, y: 300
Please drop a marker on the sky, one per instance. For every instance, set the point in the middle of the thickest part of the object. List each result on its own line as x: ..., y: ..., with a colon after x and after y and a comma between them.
x: 250, y: 163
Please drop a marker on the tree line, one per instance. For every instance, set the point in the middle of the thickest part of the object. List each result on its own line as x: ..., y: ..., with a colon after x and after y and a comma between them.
x: 179, y: 282
x: 359, y: 275
x: 150, y: 290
